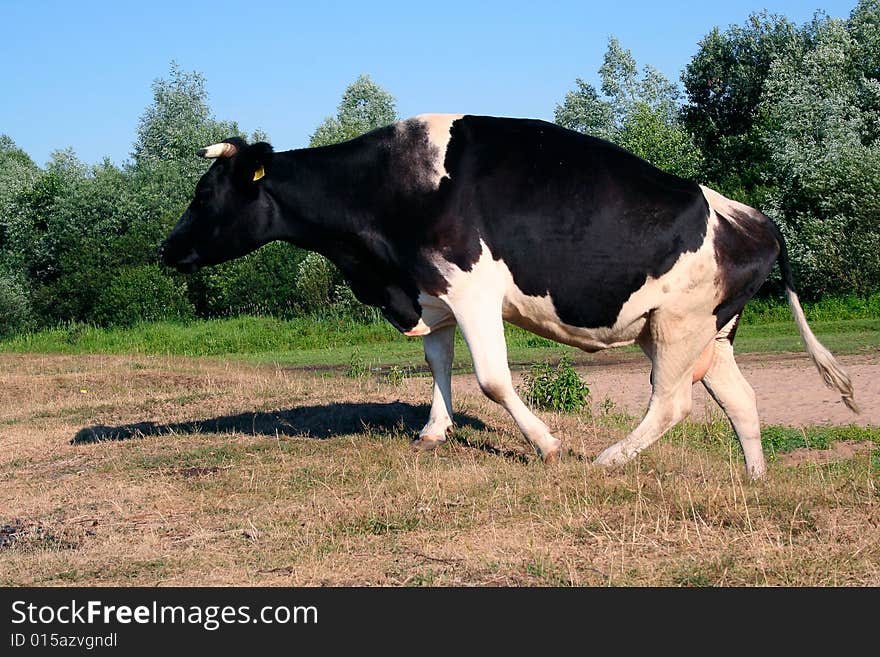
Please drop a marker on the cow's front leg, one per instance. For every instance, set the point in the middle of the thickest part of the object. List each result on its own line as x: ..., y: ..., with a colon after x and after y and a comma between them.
x: 439, y: 348
x: 483, y: 331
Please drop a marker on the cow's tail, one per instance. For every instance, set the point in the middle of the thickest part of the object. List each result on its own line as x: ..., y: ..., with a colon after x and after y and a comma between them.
x: 832, y: 372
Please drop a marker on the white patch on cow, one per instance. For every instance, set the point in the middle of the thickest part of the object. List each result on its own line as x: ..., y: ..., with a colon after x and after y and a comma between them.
x: 439, y: 351
x: 487, y: 276
x: 733, y: 210
x: 681, y: 324
x: 735, y: 396
x: 438, y: 127
x: 421, y: 329
x: 688, y: 290
x: 436, y: 314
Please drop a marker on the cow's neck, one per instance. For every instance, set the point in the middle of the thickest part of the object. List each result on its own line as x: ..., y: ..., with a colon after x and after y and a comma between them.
x: 333, y: 200
x: 327, y: 200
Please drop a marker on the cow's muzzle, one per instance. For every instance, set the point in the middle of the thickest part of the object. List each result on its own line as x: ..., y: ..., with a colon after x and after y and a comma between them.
x: 187, y: 264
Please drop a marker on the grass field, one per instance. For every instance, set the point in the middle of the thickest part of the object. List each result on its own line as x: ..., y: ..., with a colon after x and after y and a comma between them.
x: 228, y: 472
x: 245, y: 452
x: 334, y: 342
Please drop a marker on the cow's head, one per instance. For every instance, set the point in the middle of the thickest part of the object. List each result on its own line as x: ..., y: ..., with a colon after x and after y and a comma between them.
x: 231, y: 213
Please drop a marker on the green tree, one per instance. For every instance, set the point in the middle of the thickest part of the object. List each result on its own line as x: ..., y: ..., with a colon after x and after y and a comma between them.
x: 71, y: 232
x: 821, y: 111
x: 584, y: 110
x: 18, y: 173
x: 364, y: 106
x: 178, y: 122
x: 724, y: 83
x: 637, y: 112
x: 16, y: 314
x: 39, y: 228
x: 864, y: 29
x: 655, y: 137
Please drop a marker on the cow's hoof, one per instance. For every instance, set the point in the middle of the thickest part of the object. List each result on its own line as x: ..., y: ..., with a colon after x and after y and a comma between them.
x: 757, y: 472
x: 426, y: 443
x: 610, y: 458
x: 553, y: 453
x: 552, y: 456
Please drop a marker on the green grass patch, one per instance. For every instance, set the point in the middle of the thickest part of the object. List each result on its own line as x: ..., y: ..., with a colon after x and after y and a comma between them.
x: 780, y: 440
x: 717, y: 435
x: 840, y: 336
x: 220, y: 337
x: 302, y: 341
x: 329, y: 342
x: 204, y: 457
x: 829, y: 309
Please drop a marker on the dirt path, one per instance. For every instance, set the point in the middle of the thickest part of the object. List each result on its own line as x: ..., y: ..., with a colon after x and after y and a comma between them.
x: 789, y: 389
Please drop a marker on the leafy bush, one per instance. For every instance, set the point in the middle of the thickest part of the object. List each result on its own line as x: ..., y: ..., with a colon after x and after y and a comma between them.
x: 397, y: 374
x: 141, y: 294
x: 320, y: 290
x: 555, y: 388
x: 358, y: 368
x: 316, y: 283
x: 15, y: 308
x: 346, y: 306
x: 261, y: 283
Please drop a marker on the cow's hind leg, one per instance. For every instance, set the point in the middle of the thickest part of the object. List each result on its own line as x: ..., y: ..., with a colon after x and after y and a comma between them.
x: 439, y: 348
x: 483, y: 330
x: 674, y: 354
x: 735, y: 396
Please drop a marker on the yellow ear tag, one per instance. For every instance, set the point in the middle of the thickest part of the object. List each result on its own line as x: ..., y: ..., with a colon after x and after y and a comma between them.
x: 259, y: 173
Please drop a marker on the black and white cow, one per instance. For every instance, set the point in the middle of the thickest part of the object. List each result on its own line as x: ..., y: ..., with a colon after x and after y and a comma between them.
x: 445, y: 220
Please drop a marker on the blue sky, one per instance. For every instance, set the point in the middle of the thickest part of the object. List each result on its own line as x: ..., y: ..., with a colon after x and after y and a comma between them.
x: 78, y: 74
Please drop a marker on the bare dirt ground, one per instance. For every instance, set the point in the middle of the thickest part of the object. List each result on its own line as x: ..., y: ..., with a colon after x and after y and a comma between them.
x: 135, y: 470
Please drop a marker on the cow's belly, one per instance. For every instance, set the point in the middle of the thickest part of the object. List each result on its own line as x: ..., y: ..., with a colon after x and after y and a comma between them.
x: 538, y: 315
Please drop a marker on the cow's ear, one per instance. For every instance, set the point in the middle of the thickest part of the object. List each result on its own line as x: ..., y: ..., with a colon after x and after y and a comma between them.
x: 253, y: 164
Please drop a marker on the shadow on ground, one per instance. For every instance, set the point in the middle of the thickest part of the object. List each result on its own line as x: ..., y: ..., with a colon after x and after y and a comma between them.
x: 325, y: 421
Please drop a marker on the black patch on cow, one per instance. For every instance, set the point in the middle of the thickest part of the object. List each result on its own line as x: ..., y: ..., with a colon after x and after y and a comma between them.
x: 572, y: 216
x: 745, y: 250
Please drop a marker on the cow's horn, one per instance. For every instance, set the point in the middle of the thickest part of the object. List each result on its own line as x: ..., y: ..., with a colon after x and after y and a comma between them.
x: 223, y: 149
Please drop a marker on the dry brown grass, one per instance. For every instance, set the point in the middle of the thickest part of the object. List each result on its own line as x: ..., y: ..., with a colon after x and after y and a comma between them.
x: 258, y: 503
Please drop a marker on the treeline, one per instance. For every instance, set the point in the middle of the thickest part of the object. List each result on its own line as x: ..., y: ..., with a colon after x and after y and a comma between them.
x: 783, y: 117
